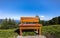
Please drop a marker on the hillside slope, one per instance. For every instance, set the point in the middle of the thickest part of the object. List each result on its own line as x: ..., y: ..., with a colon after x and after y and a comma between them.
x: 52, y: 31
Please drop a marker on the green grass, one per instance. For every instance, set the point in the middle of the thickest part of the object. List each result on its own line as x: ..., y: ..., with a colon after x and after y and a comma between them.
x: 8, y: 33
x: 53, y: 30
x: 29, y: 33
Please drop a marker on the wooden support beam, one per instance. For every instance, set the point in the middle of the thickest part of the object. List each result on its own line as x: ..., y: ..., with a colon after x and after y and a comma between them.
x: 20, y: 32
x: 40, y: 31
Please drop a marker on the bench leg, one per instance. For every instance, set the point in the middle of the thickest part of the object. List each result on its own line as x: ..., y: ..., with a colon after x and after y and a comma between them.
x: 20, y: 32
x: 40, y: 31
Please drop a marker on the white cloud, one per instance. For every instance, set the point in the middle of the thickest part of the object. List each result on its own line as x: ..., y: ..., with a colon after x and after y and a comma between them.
x: 41, y: 16
x: 45, y: 17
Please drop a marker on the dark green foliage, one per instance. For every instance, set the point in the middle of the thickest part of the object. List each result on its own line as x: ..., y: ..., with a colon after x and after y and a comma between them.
x: 8, y: 24
x: 53, y: 21
x: 44, y: 23
x: 59, y: 20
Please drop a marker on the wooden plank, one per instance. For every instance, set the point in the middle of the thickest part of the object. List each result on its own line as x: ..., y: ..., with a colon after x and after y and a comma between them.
x: 29, y: 27
x: 29, y: 19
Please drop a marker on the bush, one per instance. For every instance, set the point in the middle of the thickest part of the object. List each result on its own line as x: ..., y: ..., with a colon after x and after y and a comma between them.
x: 51, y: 31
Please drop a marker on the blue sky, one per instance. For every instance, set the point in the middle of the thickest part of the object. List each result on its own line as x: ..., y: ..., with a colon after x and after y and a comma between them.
x: 46, y: 9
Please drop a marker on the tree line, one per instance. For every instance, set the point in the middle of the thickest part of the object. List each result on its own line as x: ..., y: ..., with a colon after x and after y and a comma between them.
x: 11, y: 23
x: 8, y: 24
x: 53, y: 21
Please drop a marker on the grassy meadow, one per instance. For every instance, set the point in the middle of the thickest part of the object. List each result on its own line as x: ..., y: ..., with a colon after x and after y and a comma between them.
x: 8, y: 33
x: 49, y: 31
x: 52, y: 31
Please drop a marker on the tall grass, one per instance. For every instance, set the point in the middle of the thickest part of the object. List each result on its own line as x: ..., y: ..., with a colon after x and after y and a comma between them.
x: 52, y: 31
x: 8, y: 34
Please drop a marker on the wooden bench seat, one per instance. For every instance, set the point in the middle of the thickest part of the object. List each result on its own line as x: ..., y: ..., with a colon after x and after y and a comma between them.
x: 30, y: 25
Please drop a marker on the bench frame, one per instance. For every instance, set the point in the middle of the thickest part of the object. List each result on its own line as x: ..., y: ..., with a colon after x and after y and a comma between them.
x: 37, y: 27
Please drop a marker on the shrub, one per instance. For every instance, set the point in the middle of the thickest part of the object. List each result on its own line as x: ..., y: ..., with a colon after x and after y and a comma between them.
x: 51, y: 31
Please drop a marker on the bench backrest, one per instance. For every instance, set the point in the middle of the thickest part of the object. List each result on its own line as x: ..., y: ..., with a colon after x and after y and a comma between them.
x: 29, y: 19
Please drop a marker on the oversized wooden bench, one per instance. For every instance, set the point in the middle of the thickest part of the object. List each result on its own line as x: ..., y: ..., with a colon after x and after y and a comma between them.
x: 30, y: 23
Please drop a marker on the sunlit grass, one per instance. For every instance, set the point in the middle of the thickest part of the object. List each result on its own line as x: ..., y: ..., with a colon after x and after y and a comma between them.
x: 52, y: 29
x: 7, y: 34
